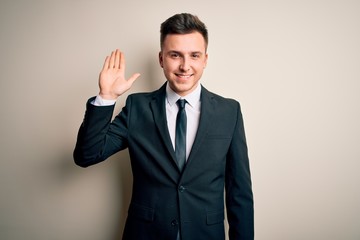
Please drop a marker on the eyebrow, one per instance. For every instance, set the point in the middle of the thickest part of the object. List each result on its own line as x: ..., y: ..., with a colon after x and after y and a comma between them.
x: 180, y: 53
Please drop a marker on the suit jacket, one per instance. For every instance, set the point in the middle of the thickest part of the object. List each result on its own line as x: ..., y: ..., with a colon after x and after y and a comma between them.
x: 165, y: 200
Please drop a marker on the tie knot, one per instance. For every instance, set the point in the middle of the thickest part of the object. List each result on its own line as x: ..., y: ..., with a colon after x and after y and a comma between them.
x: 181, y: 103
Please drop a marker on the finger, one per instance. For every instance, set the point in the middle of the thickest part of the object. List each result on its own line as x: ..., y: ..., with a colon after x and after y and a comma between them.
x: 117, y: 59
x: 112, y: 59
x: 122, y: 61
x: 106, y: 63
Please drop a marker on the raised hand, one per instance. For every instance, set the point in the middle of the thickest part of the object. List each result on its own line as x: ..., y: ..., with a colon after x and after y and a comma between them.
x: 112, y: 80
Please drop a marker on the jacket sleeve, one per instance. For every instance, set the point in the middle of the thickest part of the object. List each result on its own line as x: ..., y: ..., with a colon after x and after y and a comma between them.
x: 239, y: 196
x: 98, y: 137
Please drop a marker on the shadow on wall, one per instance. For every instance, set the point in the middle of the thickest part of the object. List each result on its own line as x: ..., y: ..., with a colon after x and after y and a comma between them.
x: 118, y: 194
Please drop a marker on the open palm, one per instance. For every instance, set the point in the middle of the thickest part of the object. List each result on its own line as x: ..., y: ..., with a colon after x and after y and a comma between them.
x: 112, y: 80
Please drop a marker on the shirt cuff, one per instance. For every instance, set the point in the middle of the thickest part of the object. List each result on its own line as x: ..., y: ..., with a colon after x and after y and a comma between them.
x: 99, y: 101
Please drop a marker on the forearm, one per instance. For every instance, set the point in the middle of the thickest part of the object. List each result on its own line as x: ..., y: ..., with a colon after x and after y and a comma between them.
x: 239, y: 202
x: 92, y: 135
x: 240, y: 214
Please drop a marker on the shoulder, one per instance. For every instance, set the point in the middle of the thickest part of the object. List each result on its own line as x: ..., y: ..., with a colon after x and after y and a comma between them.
x: 219, y: 100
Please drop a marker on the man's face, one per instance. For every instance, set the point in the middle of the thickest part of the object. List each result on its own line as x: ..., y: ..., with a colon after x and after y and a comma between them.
x: 183, y: 58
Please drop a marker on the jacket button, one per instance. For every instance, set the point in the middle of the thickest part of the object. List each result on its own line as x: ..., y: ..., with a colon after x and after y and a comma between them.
x: 182, y: 188
x: 174, y: 223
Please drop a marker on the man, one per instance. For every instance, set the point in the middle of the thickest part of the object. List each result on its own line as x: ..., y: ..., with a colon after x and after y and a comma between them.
x: 183, y: 156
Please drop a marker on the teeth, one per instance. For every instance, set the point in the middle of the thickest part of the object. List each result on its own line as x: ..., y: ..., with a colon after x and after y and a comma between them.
x: 184, y: 76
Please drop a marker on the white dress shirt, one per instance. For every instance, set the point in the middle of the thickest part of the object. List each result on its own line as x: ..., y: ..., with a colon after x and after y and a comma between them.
x: 192, y: 109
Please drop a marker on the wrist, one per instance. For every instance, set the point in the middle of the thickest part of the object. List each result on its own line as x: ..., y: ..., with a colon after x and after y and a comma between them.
x: 111, y: 97
x: 99, y: 101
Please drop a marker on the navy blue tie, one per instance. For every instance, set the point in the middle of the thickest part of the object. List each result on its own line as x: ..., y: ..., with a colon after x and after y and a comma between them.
x: 180, y: 135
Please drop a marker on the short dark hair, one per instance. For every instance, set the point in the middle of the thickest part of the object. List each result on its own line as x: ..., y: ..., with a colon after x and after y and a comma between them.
x: 183, y: 23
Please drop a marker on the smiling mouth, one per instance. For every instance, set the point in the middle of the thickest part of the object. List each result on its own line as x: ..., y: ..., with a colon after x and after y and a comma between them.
x: 184, y: 76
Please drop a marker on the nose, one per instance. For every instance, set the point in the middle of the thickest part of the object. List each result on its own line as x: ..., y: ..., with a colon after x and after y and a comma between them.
x: 185, y: 64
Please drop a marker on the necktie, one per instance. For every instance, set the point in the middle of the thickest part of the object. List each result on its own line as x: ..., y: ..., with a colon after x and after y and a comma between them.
x: 180, y: 135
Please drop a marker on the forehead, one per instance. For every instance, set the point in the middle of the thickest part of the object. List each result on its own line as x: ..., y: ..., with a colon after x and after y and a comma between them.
x: 185, y: 42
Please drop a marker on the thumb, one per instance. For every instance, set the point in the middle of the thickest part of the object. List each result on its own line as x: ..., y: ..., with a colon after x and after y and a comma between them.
x: 132, y: 79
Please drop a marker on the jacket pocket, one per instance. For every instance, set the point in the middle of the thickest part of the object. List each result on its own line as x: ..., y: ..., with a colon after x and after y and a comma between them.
x: 141, y: 212
x: 214, y: 217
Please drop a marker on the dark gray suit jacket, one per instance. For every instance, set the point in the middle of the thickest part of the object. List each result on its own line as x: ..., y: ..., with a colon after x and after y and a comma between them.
x: 164, y: 199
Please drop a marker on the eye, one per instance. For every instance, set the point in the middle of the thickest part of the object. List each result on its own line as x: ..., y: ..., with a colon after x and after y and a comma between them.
x: 174, y: 55
x: 195, y: 55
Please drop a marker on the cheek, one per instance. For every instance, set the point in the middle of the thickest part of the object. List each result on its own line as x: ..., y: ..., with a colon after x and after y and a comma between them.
x: 169, y: 65
x: 204, y: 64
x: 200, y: 67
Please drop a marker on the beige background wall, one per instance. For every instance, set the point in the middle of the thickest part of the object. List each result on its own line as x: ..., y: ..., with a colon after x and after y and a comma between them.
x: 294, y: 66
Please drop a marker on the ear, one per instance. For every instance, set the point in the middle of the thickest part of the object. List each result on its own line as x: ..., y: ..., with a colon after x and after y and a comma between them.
x: 161, y: 61
x: 206, y: 59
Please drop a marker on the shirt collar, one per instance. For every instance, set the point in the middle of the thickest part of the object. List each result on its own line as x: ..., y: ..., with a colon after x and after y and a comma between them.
x: 193, y: 98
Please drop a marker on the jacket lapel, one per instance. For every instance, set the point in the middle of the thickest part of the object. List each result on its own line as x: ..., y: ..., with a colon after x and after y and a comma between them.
x: 207, y: 112
x: 158, y: 108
